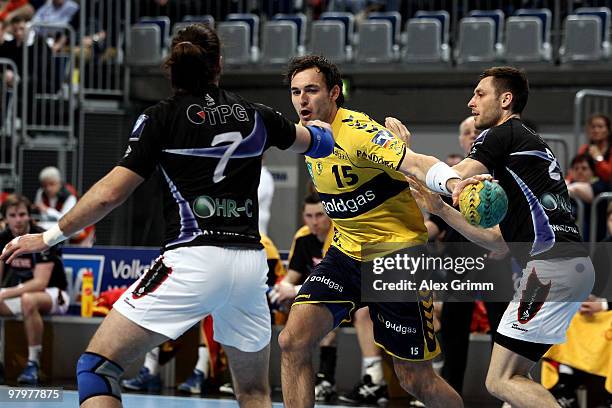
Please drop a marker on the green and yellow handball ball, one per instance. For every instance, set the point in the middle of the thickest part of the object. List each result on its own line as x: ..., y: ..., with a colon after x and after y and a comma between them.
x: 483, y: 204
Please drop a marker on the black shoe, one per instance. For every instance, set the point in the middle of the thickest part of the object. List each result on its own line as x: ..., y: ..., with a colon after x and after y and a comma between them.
x: 565, y: 395
x: 367, y: 393
x: 325, y: 390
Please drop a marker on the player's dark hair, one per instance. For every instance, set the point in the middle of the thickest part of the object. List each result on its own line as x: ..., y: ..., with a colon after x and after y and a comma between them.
x: 15, y: 200
x: 513, y: 80
x: 193, y: 63
x: 18, y: 19
x: 584, y: 158
x: 312, y: 198
x: 606, y: 120
x: 329, y: 71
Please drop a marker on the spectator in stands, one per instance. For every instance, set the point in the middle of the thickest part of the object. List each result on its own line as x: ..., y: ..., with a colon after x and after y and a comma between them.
x: 13, y: 50
x: 54, y: 199
x: 599, y: 146
x: 583, y: 185
x: 14, y: 8
x: 32, y: 285
x: 57, y: 12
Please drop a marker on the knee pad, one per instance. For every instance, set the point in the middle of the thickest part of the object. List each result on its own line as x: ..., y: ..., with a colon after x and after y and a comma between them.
x: 97, y: 375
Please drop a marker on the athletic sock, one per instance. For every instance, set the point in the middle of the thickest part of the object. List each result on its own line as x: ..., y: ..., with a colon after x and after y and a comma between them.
x: 327, y: 363
x: 202, y: 363
x: 34, y: 353
x: 372, y: 366
x: 152, y: 361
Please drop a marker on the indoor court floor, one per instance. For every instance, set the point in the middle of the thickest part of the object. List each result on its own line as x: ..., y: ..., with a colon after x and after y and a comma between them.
x: 71, y: 400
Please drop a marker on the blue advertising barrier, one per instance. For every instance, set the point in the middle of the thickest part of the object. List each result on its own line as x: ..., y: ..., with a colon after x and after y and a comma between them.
x: 111, y: 267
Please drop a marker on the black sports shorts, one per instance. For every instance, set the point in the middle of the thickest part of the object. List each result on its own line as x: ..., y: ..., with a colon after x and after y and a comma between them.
x: 404, y: 330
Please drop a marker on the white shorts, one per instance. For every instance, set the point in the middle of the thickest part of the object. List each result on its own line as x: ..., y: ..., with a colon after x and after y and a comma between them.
x: 229, y: 284
x: 549, y: 294
x: 59, y: 302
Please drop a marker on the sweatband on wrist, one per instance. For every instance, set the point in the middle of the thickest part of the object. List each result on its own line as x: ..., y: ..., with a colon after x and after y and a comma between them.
x: 297, y: 289
x: 438, y: 175
x: 321, y: 142
x: 53, y: 236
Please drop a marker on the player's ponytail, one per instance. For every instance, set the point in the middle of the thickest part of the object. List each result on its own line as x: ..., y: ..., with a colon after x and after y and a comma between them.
x: 193, y: 62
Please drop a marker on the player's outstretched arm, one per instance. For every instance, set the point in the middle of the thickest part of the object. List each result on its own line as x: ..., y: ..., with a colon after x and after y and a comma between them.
x: 435, y: 174
x: 107, y: 194
x: 315, y: 140
x: 489, y: 238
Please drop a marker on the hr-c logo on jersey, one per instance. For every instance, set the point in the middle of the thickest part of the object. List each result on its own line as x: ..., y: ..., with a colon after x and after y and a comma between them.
x: 206, y: 207
x: 552, y: 202
x: 197, y: 114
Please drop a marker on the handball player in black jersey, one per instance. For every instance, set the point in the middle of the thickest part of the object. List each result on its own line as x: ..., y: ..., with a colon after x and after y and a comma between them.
x: 539, y: 229
x: 207, y: 144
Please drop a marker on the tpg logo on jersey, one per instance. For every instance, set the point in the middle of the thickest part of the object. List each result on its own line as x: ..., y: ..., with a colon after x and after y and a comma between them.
x: 111, y: 267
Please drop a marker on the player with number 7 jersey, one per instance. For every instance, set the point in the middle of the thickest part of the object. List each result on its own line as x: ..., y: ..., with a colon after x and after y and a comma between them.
x: 207, y: 144
x: 220, y: 137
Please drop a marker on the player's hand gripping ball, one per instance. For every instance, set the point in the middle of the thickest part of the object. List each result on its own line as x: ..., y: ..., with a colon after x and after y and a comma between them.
x: 483, y: 204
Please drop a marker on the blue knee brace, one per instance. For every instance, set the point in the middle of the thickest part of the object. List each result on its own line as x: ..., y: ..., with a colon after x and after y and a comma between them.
x: 97, y: 375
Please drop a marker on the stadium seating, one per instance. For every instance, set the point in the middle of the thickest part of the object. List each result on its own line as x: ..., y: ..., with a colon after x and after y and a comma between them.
x: 394, y: 18
x: 524, y: 41
x: 483, y: 36
x: 545, y: 15
x: 163, y: 23
x: 375, y: 42
x: 605, y: 15
x: 581, y: 39
x: 476, y: 40
x: 347, y: 19
x: 423, y: 42
x: 301, y: 22
x: 280, y: 40
x: 235, y: 42
x: 328, y: 38
x: 205, y: 19
x: 443, y: 17
x: 253, y: 21
x: 145, y: 46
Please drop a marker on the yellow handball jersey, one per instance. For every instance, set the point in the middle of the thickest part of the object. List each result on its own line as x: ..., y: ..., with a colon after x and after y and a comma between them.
x: 362, y: 191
